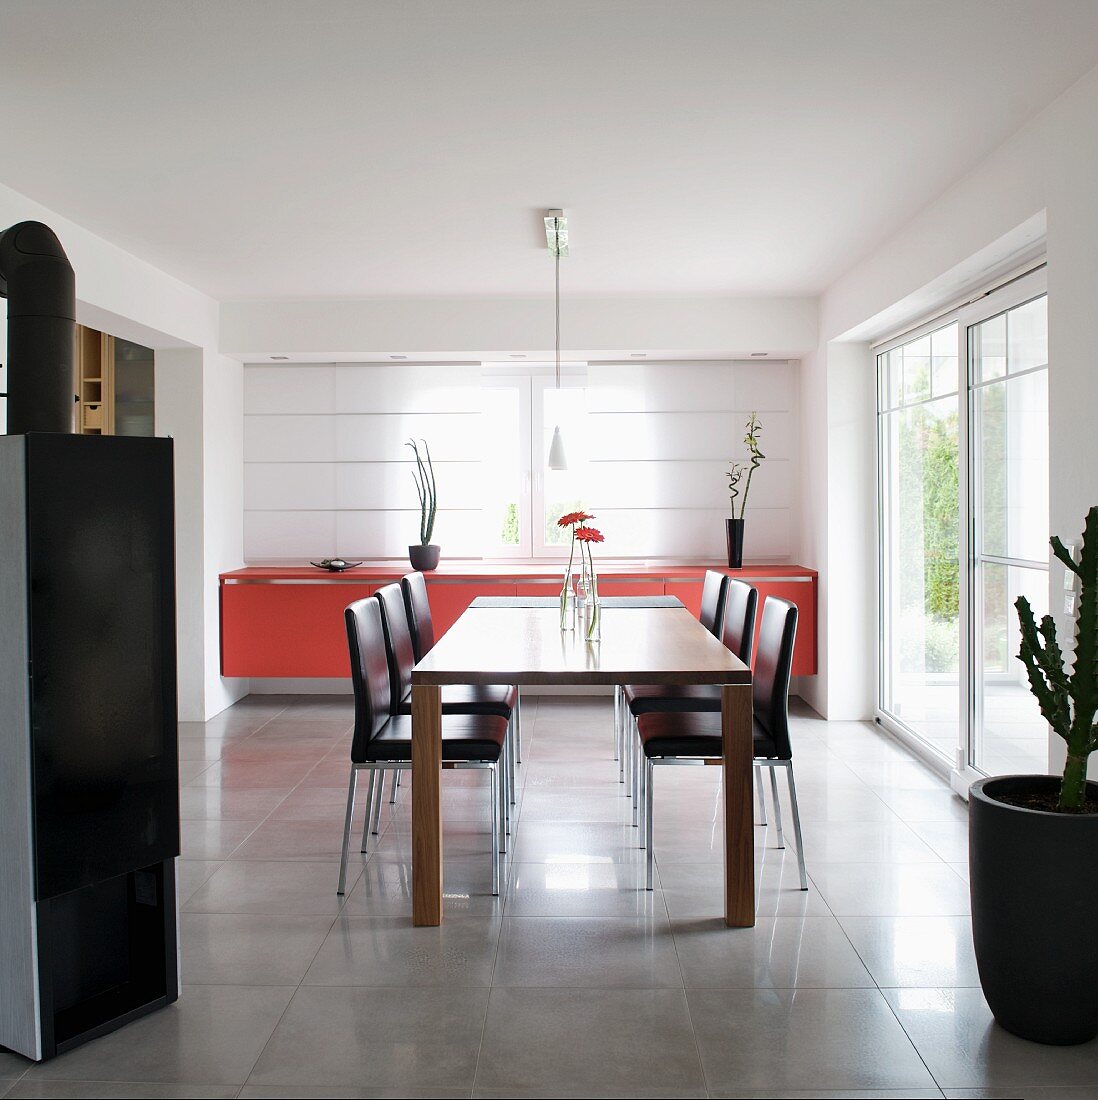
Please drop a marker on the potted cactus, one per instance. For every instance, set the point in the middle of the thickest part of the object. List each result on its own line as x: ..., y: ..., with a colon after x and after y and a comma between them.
x: 424, y: 556
x: 1033, y: 839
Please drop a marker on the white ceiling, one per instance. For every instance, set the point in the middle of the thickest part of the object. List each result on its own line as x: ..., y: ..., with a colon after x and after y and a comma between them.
x: 259, y: 148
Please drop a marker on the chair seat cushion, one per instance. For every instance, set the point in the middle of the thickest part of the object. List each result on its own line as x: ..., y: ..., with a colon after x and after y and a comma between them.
x: 496, y: 699
x: 693, y: 734
x: 675, y: 698
x: 464, y: 737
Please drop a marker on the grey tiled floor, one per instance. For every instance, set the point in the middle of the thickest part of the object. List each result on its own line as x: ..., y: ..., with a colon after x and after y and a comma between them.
x: 576, y: 981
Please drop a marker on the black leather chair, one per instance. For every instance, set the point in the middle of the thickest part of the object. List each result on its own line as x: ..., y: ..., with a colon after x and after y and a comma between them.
x: 711, y: 616
x: 422, y: 629
x: 500, y: 700
x: 382, y: 739
x: 695, y: 737
x: 738, y: 602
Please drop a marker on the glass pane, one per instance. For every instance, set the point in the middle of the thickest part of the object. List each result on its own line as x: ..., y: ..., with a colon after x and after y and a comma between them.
x: 1012, y: 467
x: 1027, y: 329
x: 989, y: 349
x: 895, y: 377
x: 1011, y: 735
x: 502, y: 467
x: 916, y: 370
x: 943, y: 360
x: 565, y: 408
x: 922, y: 661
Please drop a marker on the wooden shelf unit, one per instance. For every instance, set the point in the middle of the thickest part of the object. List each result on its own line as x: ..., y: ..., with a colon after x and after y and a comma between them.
x: 93, y: 371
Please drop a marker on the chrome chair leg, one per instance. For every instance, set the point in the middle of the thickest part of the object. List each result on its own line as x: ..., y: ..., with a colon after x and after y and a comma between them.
x: 511, y: 761
x: 623, y: 739
x: 638, y: 759
x: 642, y: 799
x: 376, y: 829
x: 500, y: 794
x: 342, y: 886
x: 369, y: 809
x: 495, y: 829
x: 762, y: 796
x: 777, y: 808
x: 617, y: 723
x: 518, y: 723
x: 394, y: 783
x: 796, y: 825
x: 650, y: 857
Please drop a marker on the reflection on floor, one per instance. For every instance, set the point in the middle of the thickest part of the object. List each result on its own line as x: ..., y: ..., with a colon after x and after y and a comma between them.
x: 576, y: 980
x: 1014, y: 736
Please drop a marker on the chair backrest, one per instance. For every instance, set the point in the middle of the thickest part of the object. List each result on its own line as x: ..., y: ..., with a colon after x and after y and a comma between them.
x: 418, y: 607
x: 398, y: 641
x: 773, y: 663
x: 740, y: 603
x: 712, y: 606
x: 369, y: 672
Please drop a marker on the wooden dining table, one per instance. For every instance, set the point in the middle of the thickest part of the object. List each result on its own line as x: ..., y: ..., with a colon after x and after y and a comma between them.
x: 525, y: 645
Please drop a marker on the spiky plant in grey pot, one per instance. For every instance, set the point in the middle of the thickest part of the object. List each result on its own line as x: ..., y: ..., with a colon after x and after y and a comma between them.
x: 1033, y: 839
x: 424, y: 556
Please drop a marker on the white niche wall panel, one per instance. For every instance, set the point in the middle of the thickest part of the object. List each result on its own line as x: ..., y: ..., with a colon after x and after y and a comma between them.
x: 326, y: 470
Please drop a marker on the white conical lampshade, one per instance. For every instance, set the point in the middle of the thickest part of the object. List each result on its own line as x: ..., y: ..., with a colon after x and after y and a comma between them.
x: 557, y: 460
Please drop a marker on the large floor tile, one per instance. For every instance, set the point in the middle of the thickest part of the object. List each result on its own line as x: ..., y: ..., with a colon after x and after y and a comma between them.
x: 954, y: 1031
x: 779, y: 953
x: 219, y: 804
x: 384, y: 889
x: 579, y: 952
x: 211, y: 1035
x: 362, y: 1037
x: 864, y: 842
x: 117, y: 1090
x: 803, y: 1039
x: 891, y: 890
x: 274, y: 888
x: 590, y: 1039
x: 915, y: 951
x: 576, y: 842
x: 213, y: 839
x: 248, y: 949
x: 580, y: 890
x: 696, y: 890
x: 388, y: 951
x: 190, y: 874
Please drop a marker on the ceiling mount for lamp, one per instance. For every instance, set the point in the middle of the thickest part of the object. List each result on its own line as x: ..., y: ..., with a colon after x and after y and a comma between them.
x: 556, y: 238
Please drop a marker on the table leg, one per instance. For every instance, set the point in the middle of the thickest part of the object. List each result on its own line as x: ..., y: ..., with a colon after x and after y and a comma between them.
x: 739, y: 855
x: 426, y: 804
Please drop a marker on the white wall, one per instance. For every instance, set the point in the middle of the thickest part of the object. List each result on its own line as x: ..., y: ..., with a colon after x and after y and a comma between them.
x: 661, y: 439
x: 490, y: 328
x: 1043, y: 176
x: 126, y: 296
x: 326, y: 471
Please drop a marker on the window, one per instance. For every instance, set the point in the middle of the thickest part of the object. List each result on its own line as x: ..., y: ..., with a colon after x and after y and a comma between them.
x: 523, y: 498
x: 963, y: 451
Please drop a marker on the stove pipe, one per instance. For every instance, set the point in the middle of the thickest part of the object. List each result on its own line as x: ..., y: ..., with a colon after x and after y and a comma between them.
x: 38, y: 282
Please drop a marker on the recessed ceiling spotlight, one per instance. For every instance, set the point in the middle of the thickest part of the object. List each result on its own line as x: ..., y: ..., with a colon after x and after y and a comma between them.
x: 280, y: 357
x: 638, y: 355
x: 516, y: 355
x: 398, y: 356
x: 758, y: 355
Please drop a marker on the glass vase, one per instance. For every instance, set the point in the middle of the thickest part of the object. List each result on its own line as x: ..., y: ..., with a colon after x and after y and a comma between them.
x: 567, y: 604
x: 592, y: 620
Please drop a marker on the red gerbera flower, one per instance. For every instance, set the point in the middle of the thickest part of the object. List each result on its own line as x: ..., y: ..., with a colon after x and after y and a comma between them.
x: 572, y: 518
x: 589, y: 534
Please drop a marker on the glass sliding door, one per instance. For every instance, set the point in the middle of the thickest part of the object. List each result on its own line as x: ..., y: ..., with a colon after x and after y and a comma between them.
x: 1008, y: 367
x: 920, y: 536
x: 963, y: 494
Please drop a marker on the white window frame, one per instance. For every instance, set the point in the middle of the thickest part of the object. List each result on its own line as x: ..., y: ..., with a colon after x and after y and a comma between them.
x: 532, y: 380
x: 1016, y: 291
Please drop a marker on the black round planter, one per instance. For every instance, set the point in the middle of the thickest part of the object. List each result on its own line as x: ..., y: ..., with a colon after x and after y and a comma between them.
x: 733, y: 533
x: 424, y: 558
x: 1034, y: 889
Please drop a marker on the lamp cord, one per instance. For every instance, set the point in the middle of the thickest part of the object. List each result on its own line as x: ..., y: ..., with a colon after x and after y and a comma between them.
x: 556, y: 295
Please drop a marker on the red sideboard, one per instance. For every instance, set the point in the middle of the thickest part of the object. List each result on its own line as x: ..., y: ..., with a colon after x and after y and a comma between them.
x: 288, y: 621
